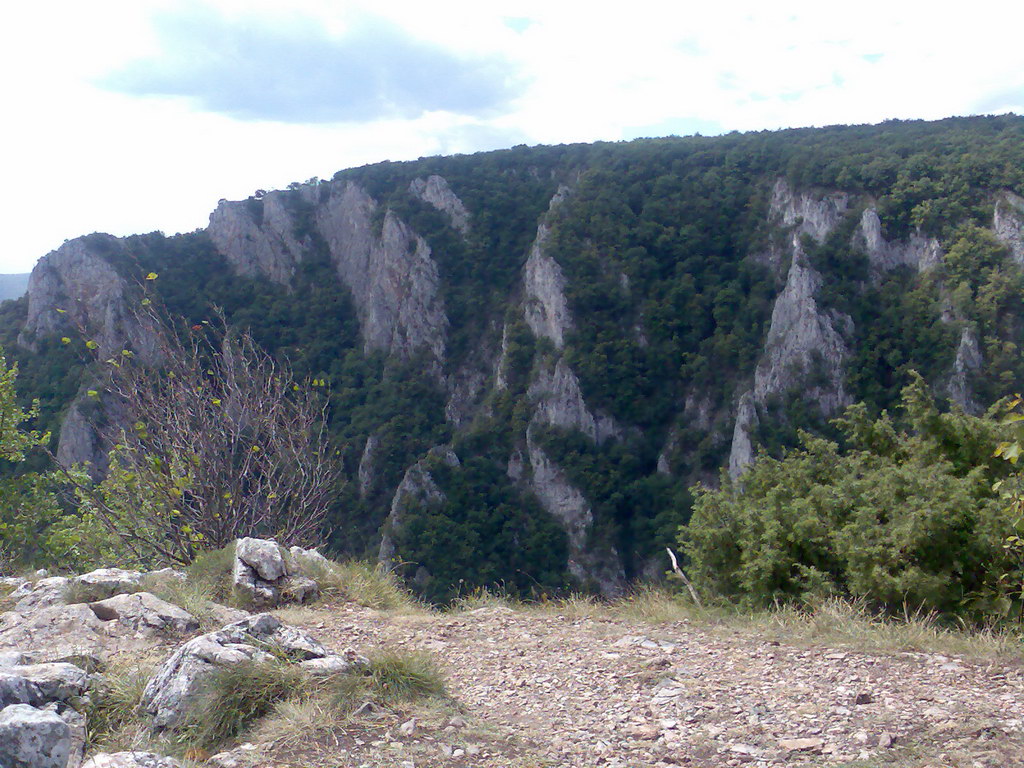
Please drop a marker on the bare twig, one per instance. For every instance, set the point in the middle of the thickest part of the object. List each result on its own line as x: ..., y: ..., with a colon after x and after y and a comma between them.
x: 686, y: 581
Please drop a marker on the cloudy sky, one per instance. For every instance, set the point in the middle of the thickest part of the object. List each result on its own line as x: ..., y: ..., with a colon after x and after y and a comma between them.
x: 131, y: 116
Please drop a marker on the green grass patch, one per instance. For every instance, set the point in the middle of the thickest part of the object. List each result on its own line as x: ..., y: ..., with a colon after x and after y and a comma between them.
x: 237, y: 696
x: 391, y: 678
x: 113, y: 707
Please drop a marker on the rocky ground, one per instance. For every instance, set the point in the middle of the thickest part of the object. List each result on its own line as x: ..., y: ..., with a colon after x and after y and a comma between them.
x: 542, y: 689
x: 572, y: 685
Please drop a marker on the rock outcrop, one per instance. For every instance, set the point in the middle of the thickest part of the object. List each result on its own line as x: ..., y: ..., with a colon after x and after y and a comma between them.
x: 967, y: 361
x: 1008, y: 223
x: 179, y: 681
x: 919, y: 252
x: 813, y: 215
x: 389, y: 270
x: 40, y: 684
x: 804, y: 347
x: 33, y: 738
x: 546, y: 308
x: 111, y: 615
x: 597, y: 566
x: 742, y: 453
x: 417, y: 488
x: 558, y: 402
x: 262, y: 576
x: 434, y: 190
x: 145, y: 614
x: 263, y: 237
x: 38, y: 723
x: 80, y: 440
x: 76, y: 288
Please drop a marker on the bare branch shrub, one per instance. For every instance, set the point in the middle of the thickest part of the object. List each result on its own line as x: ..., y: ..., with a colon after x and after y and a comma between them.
x: 216, y: 440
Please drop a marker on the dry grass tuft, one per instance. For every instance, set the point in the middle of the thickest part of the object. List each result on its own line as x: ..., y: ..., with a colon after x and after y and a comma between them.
x: 112, y: 710
x: 392, y: 677
x: 362, y: 583
x: 834, y: 621
x: 237, y: 696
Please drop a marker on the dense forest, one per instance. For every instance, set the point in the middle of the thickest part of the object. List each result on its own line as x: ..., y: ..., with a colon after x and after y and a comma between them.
x: 672, y: 258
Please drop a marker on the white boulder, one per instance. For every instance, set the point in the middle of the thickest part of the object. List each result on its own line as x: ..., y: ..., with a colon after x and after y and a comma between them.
x: 33, y: 738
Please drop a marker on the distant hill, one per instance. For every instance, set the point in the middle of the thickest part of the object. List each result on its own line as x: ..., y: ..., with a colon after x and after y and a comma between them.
x: 13, y: 286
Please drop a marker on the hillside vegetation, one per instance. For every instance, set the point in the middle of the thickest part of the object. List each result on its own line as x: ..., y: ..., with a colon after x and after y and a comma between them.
x: 545, y: 351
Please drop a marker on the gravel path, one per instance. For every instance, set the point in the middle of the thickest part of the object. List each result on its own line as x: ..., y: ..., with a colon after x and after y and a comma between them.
x: 574, y: 692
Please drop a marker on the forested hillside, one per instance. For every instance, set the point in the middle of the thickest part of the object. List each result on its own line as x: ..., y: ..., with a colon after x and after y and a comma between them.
x: 532, y: 355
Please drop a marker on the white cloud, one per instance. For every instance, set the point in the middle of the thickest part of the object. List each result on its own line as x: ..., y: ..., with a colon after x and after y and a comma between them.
x: 78, y: 159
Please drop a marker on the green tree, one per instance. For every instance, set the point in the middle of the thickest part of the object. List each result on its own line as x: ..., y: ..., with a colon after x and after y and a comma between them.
x: 28, y: 506
x: 898, y: 516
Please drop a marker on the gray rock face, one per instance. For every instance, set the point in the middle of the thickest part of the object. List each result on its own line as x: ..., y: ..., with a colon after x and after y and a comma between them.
x: 33, y: 738
x: 80, y: 441
x: 261, y: 574
x: 79, y: 735
x: 546, y: 309
x: 179, y: 680
x: 107, y: 582
x: 394, y: 281
x: 800, y: 338
x: 1008, y: 223
x: 265, y: 557
x: 742, y: 453
x: 145, y: 614
x: 58, y: 631
x: 558, y: 401
x: 919, y: 252
x: 308, y: 561
x: 366, y: 473
x: 417, y: 488
x: 564, y: 502
x: 33, y: 595
x: 41, y: 684
x: 803, y: 349
x: 812, y: 215
x: 101, y: 628
x: 131, y: 760
x: 434, y: 190
x: 258, y: 237
x: 968, y: 359
x: 78, y: 279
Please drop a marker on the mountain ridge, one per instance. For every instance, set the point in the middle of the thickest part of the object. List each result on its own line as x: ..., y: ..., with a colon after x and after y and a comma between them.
x: 588, y: 329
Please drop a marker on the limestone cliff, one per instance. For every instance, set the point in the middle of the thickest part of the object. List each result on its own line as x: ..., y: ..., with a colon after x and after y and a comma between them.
x: 558, y: 402
x: 600, y: 566
x: 804, y: 348
x: 919, y: 252
x: 802, y: 344
x: 390, y: 272
x: 259, y: 237
x: 1008, y: 223
x: 810, y: 214
x: 434, y: 190
x: 968, y: 359
x: 387, y: 266
x: 75, y: 290
x: 742, y: 453
x: 417, y: 488
x: 546, y: 309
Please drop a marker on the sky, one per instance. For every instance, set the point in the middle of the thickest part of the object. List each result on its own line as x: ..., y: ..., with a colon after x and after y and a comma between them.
x: 129, y: 116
